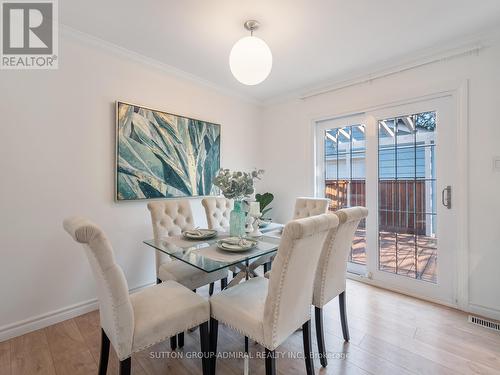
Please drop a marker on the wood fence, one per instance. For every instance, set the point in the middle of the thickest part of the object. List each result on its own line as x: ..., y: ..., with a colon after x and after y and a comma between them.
x: 401, y: 203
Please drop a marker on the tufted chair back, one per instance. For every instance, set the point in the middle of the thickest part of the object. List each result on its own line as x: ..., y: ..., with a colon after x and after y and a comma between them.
x: 115, y: 309
x: 169, y: 218
x: 217, y: 210
x: 305, y: 207
x: 288, y: 302
x: 330, y: 275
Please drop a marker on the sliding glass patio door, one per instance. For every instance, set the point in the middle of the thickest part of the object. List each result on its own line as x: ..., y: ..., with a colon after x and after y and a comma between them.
x: 399, y: 162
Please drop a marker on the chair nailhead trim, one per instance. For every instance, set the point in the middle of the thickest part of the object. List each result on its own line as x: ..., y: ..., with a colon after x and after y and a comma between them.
x: 324, y: 271
x: 113, y: 306
x: 188, y: 327
x: 280, y: 287
x: 243, y: 333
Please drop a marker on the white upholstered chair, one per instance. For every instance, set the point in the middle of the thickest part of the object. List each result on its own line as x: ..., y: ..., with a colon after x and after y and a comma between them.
x: 170, y: 218
x: 269, y: 311
x: 134, y: 322
x: 218, y: 210
x: 331, y: 272
x: 305, y: 207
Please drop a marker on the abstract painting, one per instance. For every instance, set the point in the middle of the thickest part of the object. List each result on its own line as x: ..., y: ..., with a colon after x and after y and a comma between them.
x: 161, y: 155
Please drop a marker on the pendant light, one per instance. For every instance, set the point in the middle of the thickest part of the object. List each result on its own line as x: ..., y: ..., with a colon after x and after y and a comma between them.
x: 250, y: 59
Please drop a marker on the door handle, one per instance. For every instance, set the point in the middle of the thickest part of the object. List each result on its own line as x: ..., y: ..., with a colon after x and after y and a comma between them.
x: 446, y: 197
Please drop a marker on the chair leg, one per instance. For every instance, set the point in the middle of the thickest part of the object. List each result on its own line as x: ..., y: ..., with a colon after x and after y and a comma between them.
x: 246, y: 363
x: 205, y: 348
x: 308, y: 355
x: 180, y: 339
x: 270, y: 362
x: 266, y: 267
x: 211, y: 289
x: 320, y: 338
x: 125, y: 366
x: 343, y: 316
x: 103, y: 360
x: 214, y: 332
x: 223, y: 283
x: 173, y: 342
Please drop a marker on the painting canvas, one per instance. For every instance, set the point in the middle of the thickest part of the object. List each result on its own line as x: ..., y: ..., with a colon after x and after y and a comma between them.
x: 161, y: 155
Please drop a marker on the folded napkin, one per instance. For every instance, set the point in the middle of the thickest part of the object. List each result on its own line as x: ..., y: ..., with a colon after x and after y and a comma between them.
x: 237, y: 241
x: 194, y: 232
x: 199, y: 232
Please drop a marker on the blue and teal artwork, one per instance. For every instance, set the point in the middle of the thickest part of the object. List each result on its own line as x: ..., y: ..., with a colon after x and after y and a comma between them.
x: 161, y: 155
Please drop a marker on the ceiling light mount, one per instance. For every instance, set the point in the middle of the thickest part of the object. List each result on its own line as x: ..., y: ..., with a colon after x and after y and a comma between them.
x: 251, y: 25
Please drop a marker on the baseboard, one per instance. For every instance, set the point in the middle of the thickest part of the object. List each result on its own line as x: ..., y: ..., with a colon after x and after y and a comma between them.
x: 44, y: 320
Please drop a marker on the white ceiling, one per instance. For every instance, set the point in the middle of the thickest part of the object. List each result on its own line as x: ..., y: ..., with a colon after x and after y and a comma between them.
x: 312, y: 41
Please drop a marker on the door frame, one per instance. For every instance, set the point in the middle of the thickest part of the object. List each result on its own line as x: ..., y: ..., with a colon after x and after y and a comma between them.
x: 459, y: 92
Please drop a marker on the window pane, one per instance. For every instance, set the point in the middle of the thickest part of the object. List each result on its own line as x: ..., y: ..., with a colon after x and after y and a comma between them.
x: 406, y: 260
x: 387, y: 251
x: 427, y: 252
x: 407, y: 196
x: 345, y: 177
x: 387, y: 163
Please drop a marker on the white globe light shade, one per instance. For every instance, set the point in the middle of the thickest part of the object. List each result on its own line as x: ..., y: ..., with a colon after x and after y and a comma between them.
x: 250, y: 60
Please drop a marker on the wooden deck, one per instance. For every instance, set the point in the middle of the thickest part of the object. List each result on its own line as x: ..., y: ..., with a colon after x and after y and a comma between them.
x: 417, y: 262
x: 390, y: 334
x: 402, y: 209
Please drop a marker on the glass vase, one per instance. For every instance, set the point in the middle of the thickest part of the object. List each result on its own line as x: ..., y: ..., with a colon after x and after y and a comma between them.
x: 237, y: 220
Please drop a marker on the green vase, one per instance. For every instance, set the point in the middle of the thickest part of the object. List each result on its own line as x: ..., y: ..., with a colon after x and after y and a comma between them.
x: 237, y: 220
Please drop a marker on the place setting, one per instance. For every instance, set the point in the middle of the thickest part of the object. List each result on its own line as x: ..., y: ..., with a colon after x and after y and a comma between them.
x: 199, y: 234
x: 236, y: 244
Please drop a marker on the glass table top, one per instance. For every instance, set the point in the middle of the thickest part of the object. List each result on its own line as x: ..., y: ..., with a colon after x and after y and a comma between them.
x: 206, y: 256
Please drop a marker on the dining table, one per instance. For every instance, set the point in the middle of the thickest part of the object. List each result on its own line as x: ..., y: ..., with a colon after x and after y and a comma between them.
x: 207, y: 256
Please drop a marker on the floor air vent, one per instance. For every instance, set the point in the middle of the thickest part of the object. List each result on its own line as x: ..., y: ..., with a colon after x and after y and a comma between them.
x: 484, y: 323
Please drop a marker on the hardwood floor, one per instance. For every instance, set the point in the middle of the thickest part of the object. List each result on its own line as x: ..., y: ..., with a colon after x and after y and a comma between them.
x: 390, y: 334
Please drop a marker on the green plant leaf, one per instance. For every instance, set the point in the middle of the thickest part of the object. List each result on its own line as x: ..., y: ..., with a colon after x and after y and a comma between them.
x: 265, y: 211
x: 264, y: 200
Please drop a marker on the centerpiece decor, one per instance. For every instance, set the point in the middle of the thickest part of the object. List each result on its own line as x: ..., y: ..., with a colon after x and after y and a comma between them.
x: 237, y: 185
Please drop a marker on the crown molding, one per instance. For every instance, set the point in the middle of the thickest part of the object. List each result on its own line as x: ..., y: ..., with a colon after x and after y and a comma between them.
x: 448, y: 55
x: 461, y: 47
x: 470, y: 45
x: 67, y: 31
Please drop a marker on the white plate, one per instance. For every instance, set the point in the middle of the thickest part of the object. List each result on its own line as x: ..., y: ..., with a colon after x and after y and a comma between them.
x: 231, y: 244
x: 199, y: 234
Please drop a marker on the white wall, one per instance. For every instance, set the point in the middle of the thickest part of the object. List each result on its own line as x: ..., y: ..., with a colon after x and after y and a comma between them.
x: 289, y: 142
x: 57, y: 159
